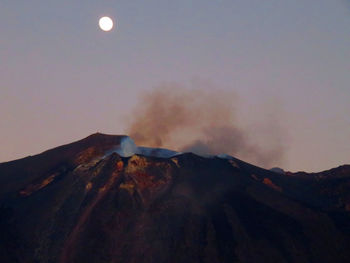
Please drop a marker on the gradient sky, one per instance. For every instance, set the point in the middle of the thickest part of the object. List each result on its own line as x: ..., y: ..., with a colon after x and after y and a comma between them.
x: 61, y: 78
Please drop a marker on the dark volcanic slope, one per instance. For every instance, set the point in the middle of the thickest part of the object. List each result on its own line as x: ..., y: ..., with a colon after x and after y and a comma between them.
x: 73, y: 204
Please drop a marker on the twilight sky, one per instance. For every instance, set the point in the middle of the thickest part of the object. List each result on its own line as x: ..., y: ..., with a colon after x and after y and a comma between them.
x: 61, y: 78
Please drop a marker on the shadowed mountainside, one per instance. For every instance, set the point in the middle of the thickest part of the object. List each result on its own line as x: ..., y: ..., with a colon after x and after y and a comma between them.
x: 75, y: 203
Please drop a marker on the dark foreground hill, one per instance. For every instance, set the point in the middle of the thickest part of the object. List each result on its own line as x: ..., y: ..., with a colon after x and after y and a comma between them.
x: 75, y: 203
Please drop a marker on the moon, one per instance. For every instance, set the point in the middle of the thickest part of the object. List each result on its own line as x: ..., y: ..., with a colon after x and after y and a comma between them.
x: 105, y: 23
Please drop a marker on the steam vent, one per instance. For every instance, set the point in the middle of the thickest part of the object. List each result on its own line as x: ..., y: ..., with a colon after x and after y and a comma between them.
x: 103, y: 199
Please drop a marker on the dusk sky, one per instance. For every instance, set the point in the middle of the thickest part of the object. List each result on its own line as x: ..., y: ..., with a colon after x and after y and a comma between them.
x: 62, y: 78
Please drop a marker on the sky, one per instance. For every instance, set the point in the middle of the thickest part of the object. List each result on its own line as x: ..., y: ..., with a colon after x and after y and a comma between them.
x: 62, y: 78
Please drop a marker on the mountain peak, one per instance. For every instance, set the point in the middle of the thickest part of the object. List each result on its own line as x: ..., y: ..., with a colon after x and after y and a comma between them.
x: 104, y: 199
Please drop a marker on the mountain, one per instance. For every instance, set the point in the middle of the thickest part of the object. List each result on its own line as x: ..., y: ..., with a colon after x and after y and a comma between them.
x: 85, y: 202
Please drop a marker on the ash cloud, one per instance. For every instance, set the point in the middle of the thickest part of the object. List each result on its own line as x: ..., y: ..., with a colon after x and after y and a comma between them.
x: 203, y: 121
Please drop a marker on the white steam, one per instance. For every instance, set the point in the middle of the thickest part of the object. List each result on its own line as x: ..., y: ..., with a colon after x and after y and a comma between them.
x: 128, y: 148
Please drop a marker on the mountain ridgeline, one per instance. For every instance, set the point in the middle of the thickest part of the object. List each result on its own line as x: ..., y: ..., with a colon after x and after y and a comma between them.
x: 84, y: 202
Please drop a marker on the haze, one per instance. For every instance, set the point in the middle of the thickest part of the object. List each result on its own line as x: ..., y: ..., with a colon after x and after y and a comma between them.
x: 62, y: 78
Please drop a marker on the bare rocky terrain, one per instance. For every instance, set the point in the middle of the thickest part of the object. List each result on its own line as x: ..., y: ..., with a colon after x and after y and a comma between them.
x: 83, y: 202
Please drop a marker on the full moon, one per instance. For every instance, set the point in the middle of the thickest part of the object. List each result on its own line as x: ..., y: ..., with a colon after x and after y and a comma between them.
x: 106, y: 23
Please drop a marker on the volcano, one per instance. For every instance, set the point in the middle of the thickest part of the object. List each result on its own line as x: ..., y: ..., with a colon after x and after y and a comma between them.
x: 96, y: 201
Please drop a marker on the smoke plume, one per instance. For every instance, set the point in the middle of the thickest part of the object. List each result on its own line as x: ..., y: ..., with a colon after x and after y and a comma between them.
x: 203, y: 122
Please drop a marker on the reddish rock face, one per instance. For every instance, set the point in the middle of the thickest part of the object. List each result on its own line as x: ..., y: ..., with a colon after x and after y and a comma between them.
x: 77, y: 204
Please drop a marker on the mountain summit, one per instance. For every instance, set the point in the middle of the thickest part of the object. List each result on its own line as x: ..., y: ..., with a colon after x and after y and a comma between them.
x: 103, y: 199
